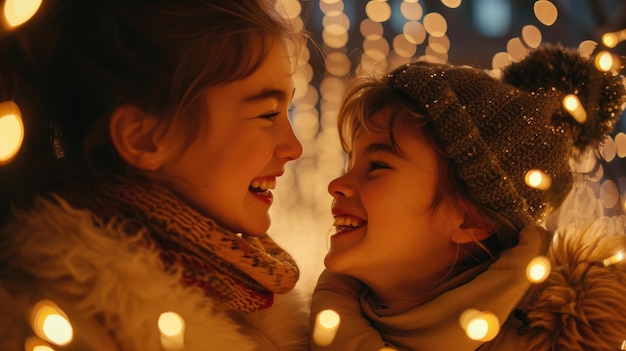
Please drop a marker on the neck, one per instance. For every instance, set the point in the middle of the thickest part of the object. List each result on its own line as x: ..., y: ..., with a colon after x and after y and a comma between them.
x: 398, y: 291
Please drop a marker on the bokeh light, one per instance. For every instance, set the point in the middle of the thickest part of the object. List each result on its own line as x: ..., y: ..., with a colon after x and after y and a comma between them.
x: 11, y: 131
x: 546, y: 12
x: 480, y: 325
x: 50, y: 323
x: 572, y: 104
x: 325, y: 328
x: 537, y: 179
x: 538, y: 269
x: 17, y: 12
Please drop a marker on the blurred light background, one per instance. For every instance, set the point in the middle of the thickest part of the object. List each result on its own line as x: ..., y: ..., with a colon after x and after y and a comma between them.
x: 357, y: 37
x: 351, y: 38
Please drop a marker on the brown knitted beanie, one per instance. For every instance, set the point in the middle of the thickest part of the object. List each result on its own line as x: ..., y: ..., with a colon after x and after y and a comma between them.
x: 498, y: 130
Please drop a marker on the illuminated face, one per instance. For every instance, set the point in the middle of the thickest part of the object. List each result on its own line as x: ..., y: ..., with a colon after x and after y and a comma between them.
x: 388, y: 234
x: 228, y: 171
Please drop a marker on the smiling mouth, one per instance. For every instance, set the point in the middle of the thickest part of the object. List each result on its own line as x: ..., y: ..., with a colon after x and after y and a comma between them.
x: 344, y: 223
x: 262, y: 186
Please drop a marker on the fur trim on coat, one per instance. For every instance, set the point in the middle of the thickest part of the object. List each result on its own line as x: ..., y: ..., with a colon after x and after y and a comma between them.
x: 113, y: 290
x: 582, y: 304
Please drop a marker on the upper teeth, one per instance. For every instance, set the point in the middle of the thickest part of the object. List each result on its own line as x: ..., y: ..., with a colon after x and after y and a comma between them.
x: 345, y: 220
x: 264, y: 184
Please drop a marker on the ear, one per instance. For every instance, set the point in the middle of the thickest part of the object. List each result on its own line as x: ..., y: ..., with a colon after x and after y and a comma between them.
x: 463, y: 235
x: 464, y: 231
x: 133, y: 133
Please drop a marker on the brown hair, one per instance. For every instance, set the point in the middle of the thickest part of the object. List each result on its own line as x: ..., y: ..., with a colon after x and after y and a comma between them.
x: 158, y: 55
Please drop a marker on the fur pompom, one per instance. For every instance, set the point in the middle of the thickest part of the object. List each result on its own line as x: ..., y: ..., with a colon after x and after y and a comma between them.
x: 554, y: 69
x: 582, y: 305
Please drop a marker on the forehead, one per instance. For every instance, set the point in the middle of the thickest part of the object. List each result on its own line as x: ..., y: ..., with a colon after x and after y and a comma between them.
x: 272, y: 79
x: 390, y: 127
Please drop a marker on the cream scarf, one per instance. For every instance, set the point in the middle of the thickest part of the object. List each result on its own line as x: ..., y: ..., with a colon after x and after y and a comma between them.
x: 435, y: 325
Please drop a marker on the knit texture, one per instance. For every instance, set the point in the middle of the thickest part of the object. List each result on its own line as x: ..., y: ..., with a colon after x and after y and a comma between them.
x: 496, y: 132
x: 237, y: 271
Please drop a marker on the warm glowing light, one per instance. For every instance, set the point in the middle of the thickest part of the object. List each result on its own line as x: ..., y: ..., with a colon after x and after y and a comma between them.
x: 586, y: 48
x: 334, y: 40
x: 546, y: 12
x: 608, y: 193
x: 42, y: 348
x: 452, y: 3
x: 172, y: 329
x: 34, y: 343
x: 331, y: 8
x: 340, y: 21
x: 611, y: 39
x: 11, y: 131
x: 414, y: 32
x: 50, y: 323
x: 538, y: 269
x: 531, y: 35
x: 617, y: 258
x: 501, y: 60
x: 371, y: 30
x: 538, y: 180
x: 412, y: 11
x: 290, y: 8
x: 338, y: 63
x: 403, y: 47
x: 17, y: 12
x: 516, y: 48
x: 620, y: 144
x: 325, y: 328
x: 377, y: 49
x: 605, y: 61
x: 483, y: 326
x: 435, y: 24
x: 378, y: 11
x: 170, y: 323
x: 575, y: 108
x: 623, y: 345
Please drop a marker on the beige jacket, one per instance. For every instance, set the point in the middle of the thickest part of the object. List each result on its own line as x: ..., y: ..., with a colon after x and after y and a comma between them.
x: 501, y: 289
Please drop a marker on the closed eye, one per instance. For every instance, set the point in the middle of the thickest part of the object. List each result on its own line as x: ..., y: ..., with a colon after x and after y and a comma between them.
x: 376, y: 165
x: 270, y: 116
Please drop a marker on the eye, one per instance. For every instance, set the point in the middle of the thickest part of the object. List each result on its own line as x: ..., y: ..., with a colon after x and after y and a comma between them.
x: 376, y: 165
x: 269, y: 116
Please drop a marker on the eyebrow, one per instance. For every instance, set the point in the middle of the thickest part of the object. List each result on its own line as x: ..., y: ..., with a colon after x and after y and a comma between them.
x: 268, y: 93
x: 376, y: 147
x: 382, y: 147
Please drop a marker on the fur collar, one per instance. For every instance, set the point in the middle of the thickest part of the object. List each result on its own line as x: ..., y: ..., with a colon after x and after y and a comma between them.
x: 114, y: 299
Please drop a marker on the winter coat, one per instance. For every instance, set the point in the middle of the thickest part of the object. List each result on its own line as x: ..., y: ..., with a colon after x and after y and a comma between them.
x: 114, y: 290
x: 571, y: 310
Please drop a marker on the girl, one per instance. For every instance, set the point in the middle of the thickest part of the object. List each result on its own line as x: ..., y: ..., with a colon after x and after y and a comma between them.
x: 169, y: 127
x: 434, y: 218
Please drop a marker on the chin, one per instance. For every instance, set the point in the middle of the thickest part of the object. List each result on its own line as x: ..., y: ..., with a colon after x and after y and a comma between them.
x: 256, y: 230
x: 333, y: 263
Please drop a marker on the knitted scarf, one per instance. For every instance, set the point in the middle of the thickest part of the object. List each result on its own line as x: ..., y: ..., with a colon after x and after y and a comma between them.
x: 239, y: 272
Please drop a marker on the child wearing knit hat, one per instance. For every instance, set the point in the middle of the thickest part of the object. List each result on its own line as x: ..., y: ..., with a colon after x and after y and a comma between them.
x: 437, y: 224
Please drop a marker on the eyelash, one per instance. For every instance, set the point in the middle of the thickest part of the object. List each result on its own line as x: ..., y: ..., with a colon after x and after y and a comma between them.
x: 376, y: 165
x: 270, y: 116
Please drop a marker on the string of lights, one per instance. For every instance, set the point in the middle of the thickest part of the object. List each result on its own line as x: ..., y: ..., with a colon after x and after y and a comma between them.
x: 302, y: 204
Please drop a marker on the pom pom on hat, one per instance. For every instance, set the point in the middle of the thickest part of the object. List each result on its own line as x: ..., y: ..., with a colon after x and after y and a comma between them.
x: 496, y: 131
x: 566, y: 72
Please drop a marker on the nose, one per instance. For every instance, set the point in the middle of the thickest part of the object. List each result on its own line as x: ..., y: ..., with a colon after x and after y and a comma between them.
x: 340, y: 187
x: 290, y: 147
